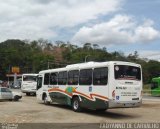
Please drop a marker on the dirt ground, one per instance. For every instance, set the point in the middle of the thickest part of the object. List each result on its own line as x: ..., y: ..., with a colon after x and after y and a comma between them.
x: 28, y: 110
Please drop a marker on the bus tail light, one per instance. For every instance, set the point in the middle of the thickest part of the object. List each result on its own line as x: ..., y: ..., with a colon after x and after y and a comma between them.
x: 113, y: 94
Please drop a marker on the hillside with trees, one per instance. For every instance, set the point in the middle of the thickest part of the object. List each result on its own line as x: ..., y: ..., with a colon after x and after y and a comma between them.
x: 33, y: 56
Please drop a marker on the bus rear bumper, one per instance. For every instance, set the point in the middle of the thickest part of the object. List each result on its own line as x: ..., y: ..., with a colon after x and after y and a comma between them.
x: 127, y: 104
x: 28, y: 91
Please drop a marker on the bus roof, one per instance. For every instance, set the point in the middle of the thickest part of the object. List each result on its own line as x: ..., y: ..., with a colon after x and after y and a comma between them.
x: 29, y: 74
x: 156, y: 79
x: 99, y: 64
x: 89, y: 65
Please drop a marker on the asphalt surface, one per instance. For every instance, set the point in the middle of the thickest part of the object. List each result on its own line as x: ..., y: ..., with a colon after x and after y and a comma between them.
x: 28, y: 111
x: 151, y: 98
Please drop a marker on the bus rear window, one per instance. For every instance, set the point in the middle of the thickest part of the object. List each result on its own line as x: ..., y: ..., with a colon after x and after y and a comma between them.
x: 30, y: 78
x: 123, y: 72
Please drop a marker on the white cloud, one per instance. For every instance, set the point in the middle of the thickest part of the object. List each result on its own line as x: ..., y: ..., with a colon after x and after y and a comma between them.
x: 150, y: 54
x: 119, y: 30
x: 34, y: 19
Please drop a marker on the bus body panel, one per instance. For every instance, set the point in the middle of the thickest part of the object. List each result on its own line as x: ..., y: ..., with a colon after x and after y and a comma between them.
x: 43, y: 90
x: 124, y: 92
x: 116, y: 93
x: 155, y: 86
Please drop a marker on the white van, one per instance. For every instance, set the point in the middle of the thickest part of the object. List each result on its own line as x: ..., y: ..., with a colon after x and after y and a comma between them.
x: 29, y: 83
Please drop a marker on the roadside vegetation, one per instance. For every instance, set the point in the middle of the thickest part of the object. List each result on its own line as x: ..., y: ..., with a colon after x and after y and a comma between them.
x: 33, y: 56
x: 147, y: 89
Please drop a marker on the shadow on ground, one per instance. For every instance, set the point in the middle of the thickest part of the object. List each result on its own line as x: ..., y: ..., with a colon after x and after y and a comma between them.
x: 105, y: 114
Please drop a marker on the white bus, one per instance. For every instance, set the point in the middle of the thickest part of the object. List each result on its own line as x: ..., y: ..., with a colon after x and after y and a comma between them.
x: 92, y: 85
x: 29, y: 83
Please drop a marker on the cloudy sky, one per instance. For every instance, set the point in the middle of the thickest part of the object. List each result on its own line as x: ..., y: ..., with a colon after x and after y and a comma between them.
x: 119, y: 25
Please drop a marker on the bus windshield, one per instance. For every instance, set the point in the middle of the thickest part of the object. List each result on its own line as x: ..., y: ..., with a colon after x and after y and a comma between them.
x: 125, y: 72
x: 30, y: 78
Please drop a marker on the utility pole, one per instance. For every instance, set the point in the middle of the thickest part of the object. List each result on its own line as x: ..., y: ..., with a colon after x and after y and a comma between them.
x: 48, y: 64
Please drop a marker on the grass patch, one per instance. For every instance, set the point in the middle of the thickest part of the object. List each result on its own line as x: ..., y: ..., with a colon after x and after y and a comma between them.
x: 147, y: 89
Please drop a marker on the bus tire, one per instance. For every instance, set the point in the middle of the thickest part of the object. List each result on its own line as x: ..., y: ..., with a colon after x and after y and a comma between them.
x: 45, y: 100
x: 76, y: 105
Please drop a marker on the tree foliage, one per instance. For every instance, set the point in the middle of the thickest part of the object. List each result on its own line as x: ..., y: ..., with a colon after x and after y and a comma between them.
x: 33, y: 56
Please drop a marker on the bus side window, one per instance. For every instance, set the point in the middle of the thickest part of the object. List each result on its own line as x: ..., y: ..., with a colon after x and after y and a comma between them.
x: 62, y: 78
x: 85, y: 77
x: 73, y: 77
x: 53, y: 78
x: 100, y: 76
x: 46, y: 79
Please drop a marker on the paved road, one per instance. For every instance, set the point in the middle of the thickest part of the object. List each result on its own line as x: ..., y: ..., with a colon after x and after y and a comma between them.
x: 28, y: 110
x: 151, y: 98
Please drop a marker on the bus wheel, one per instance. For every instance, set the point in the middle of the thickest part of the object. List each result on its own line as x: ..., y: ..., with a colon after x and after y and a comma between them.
x: 76, y: 104
x: 45, y: 100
